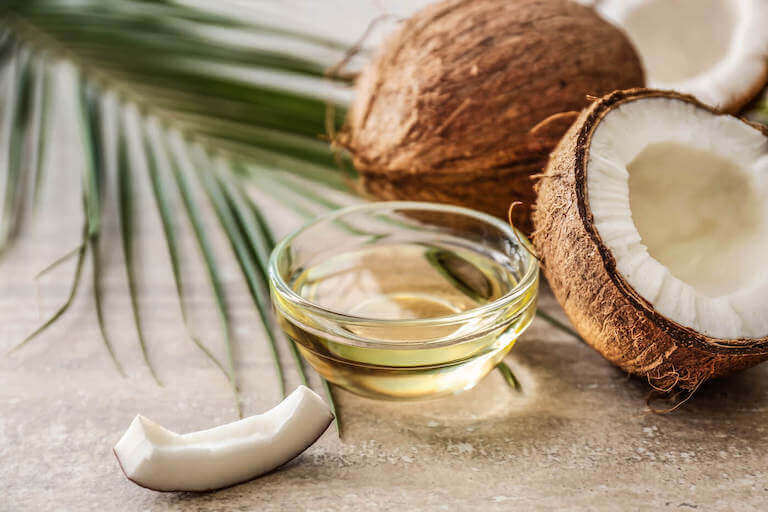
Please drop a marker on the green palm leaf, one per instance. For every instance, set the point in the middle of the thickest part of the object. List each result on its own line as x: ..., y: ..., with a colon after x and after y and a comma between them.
x: 179, y: 64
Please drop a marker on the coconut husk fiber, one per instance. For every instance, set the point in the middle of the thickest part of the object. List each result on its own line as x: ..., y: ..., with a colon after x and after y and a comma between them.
x: 467, y: 99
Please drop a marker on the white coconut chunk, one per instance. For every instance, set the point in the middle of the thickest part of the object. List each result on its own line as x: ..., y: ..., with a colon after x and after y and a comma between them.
x: 690, y: 233
x: 715, y: 50
x: 157, y: 458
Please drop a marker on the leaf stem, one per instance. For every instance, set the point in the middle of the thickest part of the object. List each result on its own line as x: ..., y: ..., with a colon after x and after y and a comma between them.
x: 556, y: 323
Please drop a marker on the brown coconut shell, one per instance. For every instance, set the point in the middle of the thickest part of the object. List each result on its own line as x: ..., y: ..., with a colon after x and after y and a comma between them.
x: 461, y: 106
x: 606, y: 311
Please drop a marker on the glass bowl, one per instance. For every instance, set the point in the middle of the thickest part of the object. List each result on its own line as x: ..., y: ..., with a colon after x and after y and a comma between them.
x: 404, y: 300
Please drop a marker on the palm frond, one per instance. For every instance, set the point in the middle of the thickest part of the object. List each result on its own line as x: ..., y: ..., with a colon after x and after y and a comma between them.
x: 253, y: 95
x: 188, y: 67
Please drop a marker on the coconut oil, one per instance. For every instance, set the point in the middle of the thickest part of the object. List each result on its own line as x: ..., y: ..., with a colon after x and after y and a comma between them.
x: 407, y: 320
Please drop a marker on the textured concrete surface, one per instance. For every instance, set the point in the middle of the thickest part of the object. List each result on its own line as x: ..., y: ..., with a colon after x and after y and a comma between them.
x: 578, y: 437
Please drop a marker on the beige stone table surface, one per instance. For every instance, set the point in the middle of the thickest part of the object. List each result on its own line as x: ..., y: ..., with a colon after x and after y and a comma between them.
x: 578, y: 436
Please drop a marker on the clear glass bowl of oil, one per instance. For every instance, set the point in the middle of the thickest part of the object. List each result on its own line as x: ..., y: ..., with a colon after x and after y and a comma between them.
x: 404, y: 300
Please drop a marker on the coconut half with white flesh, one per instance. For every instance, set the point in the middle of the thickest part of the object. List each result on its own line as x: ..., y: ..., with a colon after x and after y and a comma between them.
x: 716, y: 50
x: 158, y: 459
x: 652, y: 224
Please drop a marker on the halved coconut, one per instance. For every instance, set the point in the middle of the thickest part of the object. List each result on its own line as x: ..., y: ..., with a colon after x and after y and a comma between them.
x: 159, y: 459
x: 716, y: 50
x: 652, y: 222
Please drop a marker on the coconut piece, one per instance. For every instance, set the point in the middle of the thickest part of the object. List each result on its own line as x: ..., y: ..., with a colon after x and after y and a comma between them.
x: 716, y: 50
x: 158, y: 459
x: 465, y: 102
x: 652, y: 223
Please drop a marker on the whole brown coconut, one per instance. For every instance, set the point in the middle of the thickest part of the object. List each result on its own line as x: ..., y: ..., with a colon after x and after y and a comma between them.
x: 460, y: 106
x: 607, y: 311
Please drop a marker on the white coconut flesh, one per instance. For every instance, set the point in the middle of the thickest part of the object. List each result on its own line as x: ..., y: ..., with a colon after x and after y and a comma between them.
x: 157, y: 458
x: 680, y: 198
x: 716, y: 50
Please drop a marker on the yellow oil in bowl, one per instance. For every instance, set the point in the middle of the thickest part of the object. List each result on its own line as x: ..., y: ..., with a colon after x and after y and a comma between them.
x: 401, y: 307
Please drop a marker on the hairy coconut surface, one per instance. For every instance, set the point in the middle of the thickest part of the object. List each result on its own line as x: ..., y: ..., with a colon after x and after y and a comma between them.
x: 716, y: 50
x: 645, y: 186
x: 461, y: 106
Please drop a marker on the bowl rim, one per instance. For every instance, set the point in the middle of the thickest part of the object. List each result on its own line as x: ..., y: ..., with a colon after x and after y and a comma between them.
x: 528, y: 279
